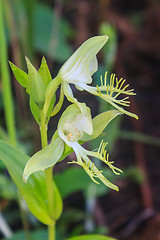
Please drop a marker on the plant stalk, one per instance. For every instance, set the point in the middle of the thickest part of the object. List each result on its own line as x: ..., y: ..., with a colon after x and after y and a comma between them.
x: 48, y: 174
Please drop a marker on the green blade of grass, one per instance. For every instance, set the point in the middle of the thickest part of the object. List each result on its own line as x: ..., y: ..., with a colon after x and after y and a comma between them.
x: 5, y: 78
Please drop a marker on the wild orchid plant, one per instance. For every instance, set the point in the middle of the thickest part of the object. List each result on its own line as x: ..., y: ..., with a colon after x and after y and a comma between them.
x: 75, y: 126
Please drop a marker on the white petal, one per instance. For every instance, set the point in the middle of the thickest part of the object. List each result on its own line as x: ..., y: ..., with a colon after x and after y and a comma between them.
x: 83, y: 63
x: 93, y: 65
x: 73, y: 123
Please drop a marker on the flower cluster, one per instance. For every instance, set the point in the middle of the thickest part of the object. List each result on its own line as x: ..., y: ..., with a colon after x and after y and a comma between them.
x: 76, y: 124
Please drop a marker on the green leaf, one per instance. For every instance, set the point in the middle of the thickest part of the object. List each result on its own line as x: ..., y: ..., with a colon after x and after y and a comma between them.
x: 100, y: 122
x: 91, y: 237
x: 36, y: 235
x: 45, y: 158
x: 57, y: 203
x: 34, y: 192
x: 36, y: 86
x: 2, y: 166
x: 20, y: 75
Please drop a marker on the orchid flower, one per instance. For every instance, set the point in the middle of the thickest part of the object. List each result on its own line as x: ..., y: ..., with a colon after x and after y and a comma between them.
x: 74, y: 128
x: 72, y: 125
x: 78, y: 70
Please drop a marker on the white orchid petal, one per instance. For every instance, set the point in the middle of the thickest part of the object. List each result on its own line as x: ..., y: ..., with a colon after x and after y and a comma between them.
x: 74, y: 123
x: 93, y: 65
x: 83, y: 63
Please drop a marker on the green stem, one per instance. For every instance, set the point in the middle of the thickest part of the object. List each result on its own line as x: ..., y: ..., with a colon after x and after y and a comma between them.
x: 48, y: 174
x: 51, y: 232
x: 7, y: 95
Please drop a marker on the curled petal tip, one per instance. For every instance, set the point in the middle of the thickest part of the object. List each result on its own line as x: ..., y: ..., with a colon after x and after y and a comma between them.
x: 25, y: 179
x: 106, y: 37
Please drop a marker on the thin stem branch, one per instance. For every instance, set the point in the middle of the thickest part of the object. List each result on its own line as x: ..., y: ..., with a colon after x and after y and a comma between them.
x: 51, y: 232
x: 48, y: 174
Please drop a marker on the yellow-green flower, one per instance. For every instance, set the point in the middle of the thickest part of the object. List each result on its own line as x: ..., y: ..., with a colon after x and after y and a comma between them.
x: 72, y: 125
x: 74, y: 128
x: 78, y: 70
x: 80, y: 67
x: 76, y: 124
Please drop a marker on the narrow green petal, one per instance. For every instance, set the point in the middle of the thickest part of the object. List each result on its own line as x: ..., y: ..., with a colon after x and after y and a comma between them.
x: 50, y: 95
x: 36, y: 86
x: 100, y: 122
x: 45, y: 158
x: 108, y: 183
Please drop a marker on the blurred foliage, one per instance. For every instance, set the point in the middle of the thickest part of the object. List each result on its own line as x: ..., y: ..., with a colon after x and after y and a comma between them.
x: 7, y: 188
x: 110, y: 49
x: 42, y: 19
x: 73, y: 179
x: 36, y: 235
x: 53, y: 41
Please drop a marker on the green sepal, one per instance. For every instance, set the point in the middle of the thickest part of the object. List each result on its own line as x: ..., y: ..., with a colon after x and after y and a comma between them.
x: 44, y: 72
x: 50, y: 96
x: 100, y: 122
x: 36, y: 86
x: 46, y: 76
x: 21, y: 76
x: 36, y: 111
x: 91, y: 237
x: 45, y: 158
x: 34, y: 192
